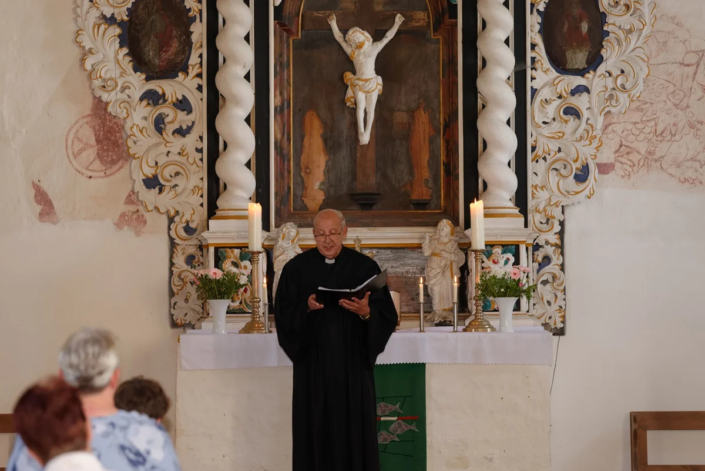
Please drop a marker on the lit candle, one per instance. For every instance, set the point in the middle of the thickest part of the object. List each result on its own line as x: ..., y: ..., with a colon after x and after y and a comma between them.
x: 477, y: 225
x: 455, y: 289
x: 254, y: 213
x: 421, y: 289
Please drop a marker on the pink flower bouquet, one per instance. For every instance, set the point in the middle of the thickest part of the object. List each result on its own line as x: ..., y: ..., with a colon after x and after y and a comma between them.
x: 216, y: 284
x: 511, y: 284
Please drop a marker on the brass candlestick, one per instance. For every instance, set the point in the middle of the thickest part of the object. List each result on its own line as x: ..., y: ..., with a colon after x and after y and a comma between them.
x: 255, y: 325
x: 479, y: 323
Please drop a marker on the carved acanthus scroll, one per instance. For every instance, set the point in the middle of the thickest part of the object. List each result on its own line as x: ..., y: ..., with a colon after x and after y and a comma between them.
x: 567, y: 114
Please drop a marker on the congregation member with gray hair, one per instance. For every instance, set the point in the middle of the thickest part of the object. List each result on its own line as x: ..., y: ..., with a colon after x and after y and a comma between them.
x: 121, y: 440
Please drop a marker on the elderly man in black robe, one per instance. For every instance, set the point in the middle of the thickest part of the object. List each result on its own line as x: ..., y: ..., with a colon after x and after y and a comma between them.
x: 334, y: 349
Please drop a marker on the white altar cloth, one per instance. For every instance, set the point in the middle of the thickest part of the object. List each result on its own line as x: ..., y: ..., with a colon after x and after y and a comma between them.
x: 201, y: 350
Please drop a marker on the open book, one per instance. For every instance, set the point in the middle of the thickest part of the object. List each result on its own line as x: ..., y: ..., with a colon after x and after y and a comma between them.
x: 328, y: 295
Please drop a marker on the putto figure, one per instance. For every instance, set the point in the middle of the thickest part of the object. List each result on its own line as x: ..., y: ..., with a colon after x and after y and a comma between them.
x: 365, y: 85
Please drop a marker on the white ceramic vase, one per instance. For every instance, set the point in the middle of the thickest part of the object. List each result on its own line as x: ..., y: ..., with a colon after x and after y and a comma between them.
x: 506, y: 313
x: 218, y: 308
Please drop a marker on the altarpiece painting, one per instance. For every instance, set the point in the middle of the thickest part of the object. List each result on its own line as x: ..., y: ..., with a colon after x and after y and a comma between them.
x: 407, y: 175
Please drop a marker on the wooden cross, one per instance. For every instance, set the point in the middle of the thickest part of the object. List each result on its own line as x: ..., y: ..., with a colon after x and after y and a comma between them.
x: 367, y: 17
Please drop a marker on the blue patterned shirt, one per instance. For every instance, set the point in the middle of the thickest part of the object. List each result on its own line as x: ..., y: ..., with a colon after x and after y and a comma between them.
x: 125, y: 441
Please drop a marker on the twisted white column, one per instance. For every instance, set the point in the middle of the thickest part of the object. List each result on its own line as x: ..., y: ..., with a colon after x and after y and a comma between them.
x: 500, y: 104
x: 239, y: 98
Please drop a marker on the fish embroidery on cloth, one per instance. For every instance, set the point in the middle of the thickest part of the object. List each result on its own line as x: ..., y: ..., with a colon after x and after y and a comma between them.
x: 400, y: 427
x: 385, y: 437
x: 384, y: 409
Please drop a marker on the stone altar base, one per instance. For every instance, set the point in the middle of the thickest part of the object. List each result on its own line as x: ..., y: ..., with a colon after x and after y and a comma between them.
x: 479, y: 417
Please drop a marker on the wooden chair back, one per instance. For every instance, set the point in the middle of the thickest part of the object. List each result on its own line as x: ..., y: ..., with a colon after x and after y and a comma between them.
x: 6, y: 426
x: 642, y: 422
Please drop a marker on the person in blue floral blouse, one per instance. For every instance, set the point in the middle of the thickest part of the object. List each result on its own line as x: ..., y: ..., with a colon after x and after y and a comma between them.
x: 122, y: 441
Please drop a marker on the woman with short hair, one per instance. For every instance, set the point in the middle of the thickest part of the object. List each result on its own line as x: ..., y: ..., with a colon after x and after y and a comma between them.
x: 50, y: 420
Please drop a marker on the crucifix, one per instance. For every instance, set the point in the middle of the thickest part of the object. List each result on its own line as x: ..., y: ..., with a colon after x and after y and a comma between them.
x: 365, y: 85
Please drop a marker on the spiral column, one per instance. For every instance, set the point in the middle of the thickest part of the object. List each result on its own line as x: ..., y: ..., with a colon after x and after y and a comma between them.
x: 231, y: 164
x: 500, y: 101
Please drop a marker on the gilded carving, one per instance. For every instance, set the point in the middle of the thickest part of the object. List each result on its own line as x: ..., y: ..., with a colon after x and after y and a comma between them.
x: 162, y: 119
x: 567, y: 113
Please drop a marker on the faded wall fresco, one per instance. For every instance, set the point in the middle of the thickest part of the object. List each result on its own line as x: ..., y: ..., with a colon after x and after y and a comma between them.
x: 660, y: 142
x: 84, y: 174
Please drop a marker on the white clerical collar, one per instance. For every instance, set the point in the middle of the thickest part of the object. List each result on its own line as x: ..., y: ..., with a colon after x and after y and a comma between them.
x: 330, y: 261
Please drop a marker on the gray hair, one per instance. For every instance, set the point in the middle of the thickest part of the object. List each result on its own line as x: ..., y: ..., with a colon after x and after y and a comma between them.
x: 88, y: 359
x: 334, y: 211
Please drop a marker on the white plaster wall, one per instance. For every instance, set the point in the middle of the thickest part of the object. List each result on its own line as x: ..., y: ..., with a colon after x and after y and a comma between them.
x: 484, y: 418
x: 636, y: 322
x: 81, y: 271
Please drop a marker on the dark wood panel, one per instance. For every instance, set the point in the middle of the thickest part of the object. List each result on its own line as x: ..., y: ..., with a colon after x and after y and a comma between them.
x: 333, y: 5
x: 400, y: 5
x: 318, y: 20
x: 683, y: 420
x: 6, y: 424
x: 642, y: 422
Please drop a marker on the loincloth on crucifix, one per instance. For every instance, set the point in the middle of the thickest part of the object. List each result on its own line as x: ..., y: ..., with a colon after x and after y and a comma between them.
x: 364, y: 85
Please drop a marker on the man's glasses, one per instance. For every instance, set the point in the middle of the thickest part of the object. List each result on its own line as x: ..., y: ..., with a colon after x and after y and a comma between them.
x: 332, y: 235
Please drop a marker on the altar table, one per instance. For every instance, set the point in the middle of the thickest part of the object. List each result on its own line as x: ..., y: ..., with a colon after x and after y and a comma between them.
x: 487, y: 399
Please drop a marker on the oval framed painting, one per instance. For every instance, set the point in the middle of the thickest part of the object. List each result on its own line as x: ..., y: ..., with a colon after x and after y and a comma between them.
x: 159, y: 36
x: 572, y: 33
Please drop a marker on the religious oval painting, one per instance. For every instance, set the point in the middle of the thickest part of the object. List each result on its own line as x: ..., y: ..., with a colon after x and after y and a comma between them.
x: 159, y: 36
x: 572, y: 33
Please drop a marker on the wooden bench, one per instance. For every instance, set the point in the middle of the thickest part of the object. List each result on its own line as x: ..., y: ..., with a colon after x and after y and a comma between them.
x: 642, y: 422
x: 6, y: 426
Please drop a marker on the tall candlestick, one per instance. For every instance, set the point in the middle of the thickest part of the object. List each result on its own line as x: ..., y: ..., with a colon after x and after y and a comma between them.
x: 254, y: 213
x: 255, y: 325
x: 455, y: 289
x: 421, y: 289
x: 479, y: 323
x: 477, y: 225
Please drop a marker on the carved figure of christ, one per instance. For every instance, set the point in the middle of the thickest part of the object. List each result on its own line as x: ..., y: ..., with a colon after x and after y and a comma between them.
x: 365, y: 85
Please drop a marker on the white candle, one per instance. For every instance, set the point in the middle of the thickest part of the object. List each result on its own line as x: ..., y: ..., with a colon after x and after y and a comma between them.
x: 264, y: 291
x: 421, y: 289
x: 254, y: 213
x: 455, y: 289
x: 477, y: 225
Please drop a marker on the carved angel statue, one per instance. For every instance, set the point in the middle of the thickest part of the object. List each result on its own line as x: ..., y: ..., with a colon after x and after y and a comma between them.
x: 444, y: 262
x: 285, y: 248
x: 365, y: 85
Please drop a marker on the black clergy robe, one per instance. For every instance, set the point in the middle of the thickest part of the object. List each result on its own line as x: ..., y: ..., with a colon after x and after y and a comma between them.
x: 334, y: 353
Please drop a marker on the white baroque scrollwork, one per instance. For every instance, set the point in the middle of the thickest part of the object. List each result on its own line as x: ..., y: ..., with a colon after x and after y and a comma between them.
x: 167, y: 164
x: 567, y: 112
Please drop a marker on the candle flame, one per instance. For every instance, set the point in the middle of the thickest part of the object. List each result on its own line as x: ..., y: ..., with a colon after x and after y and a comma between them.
x: 265, y: 281
x: 421, y: 280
